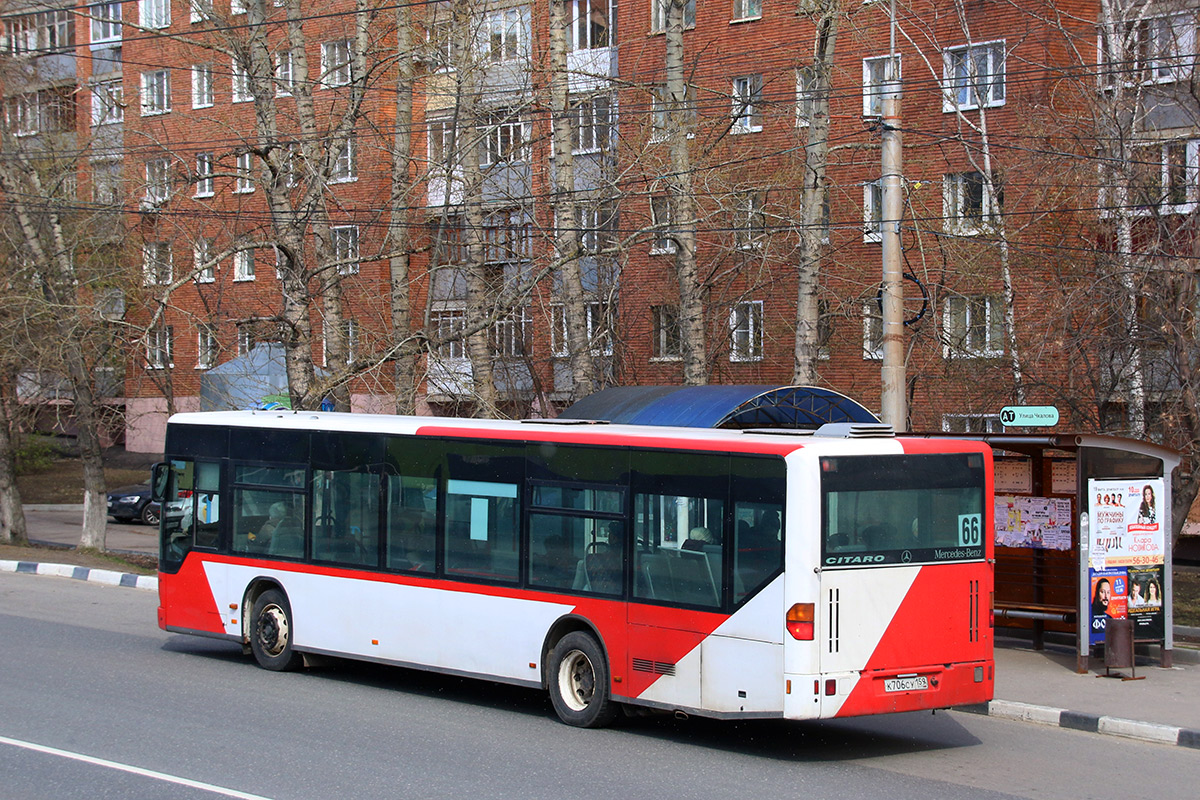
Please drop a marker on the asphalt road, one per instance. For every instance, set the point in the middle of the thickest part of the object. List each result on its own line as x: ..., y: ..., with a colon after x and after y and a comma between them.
x: 87, y: 675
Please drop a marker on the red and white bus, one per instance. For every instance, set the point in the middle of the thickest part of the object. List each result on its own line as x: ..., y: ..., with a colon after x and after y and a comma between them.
x: 723, y: 573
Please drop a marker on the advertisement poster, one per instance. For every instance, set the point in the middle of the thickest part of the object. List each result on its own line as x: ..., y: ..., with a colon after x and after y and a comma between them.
x: 1109, y: 595
x: 1037, y: 522
x: 1145, y: 602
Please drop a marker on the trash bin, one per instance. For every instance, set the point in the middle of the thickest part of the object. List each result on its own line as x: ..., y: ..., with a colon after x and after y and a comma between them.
x: 1118, y: 643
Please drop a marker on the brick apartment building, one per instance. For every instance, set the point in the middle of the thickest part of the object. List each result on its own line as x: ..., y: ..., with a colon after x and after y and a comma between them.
x: 251, y: 148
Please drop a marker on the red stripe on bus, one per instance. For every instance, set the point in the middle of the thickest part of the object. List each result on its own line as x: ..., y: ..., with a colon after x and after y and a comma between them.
x: 761, y: 446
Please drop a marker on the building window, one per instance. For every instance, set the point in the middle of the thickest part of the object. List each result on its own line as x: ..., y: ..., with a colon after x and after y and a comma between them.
x: 200, y: 10
x: 107, y: 103
x: 254, y: 332
x: 872, y: 320
x: 202, y: 261
x: 601, y: 320
x: 1158, y: 49
x: 158, y: 180
x: 108, y: 182
x: 285, y: 71
x: 589, y: 24
x: 505, y: 139
x: 974, y: 326
x: 244, y: 183
x: 666, y: 343
x: 877, y: 73
x: 349, y: 336
x: 345, y: 248
x: 873, y: 211
x: 750, y: 220
x: 660, y: 111
x: 241, y: 83
x: 745, y: 331
x: 202, y: 85
x: 448, y: 325
x: 441, y: 141
x: 747, y: 104
x: 158, y: 348
x: 972, y: 423
x: 204, y: 175
x: 243, y: 265
x: 154, y: 13
x: 1166, y: 176
x: 591, y: 124
x: 45, y: 111
x: 505, y: 34
x: 207, y: 347
x: 335, y: 63
x: 597, y: 227
x: 970, y: 203
x: 106, y: 22
x: 156, y: 264
x: 239, y: 6
x: 345, y: 164
x: 660, y: 10
x: 747, y: 9
x: 662, y: 222
x: 440, y: 31
x: 806, y: 96
x: 156, y: 92
x: 41, y: 32
x: 510, y: 334
x: 974, y: 76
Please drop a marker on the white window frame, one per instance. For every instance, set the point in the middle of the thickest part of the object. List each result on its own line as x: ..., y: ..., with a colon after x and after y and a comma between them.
x: 154, y: 14
x: 202, y: 86
x: 972, y: 423
x: 582, y: 33
x: 158, y: 268
x: 108, y: 105
x: 601, y: 321
x: 106, y: 22
x: 343, y: 166
x: 509, y: 335
x: 1163, y: 164
x: 505, y: 34
x: 243, y: 265
x: 158, y: 180
x: 156, y: 92
x: 872, y: 331
x: 343, y: 242
x: 208, y: 346
x: 239, y: 7
x: 955, y: 199
x: 337, y: 60
x: 160, y: 347
x: 750, y: 219
x: 747, y: 96
x: 664, y: 347
x: 285, y: 71
x: 201, y: 255
x: 745, y: 331
x: 964, y: 307
x: 875, y: 76
x: 963, y: 78
x: 805, y: 97
x: 446, y: 322
x: 873, y: 211
x: 506, y: 140
x: 204, y: 175
x: 658, y: 15
x: 240, y: 89
x: 592, y: 124
x: 244, y: 183
x: 745, y: 10
x: 200, y: 11
x: 662, y: 225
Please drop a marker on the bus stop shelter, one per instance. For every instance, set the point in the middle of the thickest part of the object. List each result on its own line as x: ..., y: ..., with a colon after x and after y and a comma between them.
x: 1083, y: 537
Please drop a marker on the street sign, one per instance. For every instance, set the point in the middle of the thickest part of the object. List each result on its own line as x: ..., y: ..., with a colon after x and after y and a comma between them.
x: 1028, y: 416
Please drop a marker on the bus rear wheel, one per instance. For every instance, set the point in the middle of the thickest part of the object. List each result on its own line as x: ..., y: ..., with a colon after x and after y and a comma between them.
x: 271, y: 632
x: 579, y: 682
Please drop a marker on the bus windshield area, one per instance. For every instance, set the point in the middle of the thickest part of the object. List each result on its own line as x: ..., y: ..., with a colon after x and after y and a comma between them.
x: 902, y: 509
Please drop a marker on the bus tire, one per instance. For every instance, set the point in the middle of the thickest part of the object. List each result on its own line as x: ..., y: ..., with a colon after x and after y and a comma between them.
x: 271, y: 632
x: 579, y: 682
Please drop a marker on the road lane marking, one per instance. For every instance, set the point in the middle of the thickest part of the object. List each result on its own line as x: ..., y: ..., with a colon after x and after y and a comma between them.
x: 146, y: 773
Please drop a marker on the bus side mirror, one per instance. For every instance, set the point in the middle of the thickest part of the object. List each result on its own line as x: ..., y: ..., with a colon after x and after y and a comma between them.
x: 160, y: 473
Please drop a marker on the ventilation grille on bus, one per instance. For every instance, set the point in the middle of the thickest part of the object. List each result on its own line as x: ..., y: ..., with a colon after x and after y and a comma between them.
x: 856, y: 430
x: 835, y: 620
x: 653, y: 667
x: 973, y: 617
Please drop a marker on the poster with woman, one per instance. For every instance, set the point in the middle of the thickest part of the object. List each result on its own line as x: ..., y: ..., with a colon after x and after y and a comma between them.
x: 1126, y: 532
x: 1146, y: 601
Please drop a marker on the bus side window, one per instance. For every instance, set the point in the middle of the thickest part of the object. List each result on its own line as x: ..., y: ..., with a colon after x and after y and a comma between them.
x: 345, y: 512
x: 206, y: 504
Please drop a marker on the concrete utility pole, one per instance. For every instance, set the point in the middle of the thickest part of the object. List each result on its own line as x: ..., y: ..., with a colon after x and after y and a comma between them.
x: 893, y: 402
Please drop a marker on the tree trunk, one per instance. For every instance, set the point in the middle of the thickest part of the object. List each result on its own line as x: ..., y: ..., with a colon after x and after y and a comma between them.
x: 404, y: 197
x: 12, y: 514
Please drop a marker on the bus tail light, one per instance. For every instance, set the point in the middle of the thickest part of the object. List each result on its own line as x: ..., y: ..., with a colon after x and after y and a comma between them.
x: 800, y: 621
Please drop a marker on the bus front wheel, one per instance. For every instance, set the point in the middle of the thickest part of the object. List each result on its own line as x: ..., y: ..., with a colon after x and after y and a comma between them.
x: 271, y: 632
x: 579, y: 682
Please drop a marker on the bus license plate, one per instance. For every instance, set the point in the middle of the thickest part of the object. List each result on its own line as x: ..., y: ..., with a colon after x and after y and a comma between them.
x: 906, y: 684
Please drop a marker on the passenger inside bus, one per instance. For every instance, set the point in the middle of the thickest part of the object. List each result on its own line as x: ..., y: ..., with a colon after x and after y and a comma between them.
x: 602, y: 570
x: 701, y: 539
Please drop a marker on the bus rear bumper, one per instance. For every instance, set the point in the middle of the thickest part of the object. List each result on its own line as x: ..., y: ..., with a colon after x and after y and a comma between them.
x: 890, y: 691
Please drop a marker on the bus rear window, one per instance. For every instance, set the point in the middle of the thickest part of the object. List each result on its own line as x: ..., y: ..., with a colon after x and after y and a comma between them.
x: 902, y: 509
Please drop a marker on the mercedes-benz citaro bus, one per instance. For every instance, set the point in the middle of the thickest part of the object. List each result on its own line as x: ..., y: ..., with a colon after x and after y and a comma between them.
x: 722, y: 573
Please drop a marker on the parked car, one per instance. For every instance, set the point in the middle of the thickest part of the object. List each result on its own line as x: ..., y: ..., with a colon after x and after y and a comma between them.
x: 133, y: 504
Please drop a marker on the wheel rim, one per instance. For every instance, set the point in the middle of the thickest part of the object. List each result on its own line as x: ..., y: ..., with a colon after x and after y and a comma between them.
x: 150, y: 517
x: 273, y: 631
x: 576, y: 680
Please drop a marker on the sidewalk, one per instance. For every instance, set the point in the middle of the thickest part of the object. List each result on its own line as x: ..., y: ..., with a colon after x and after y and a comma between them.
x: 1031, y: 686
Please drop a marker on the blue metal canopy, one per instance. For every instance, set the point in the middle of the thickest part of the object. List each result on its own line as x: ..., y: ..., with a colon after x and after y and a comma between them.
x: 807, y: 407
